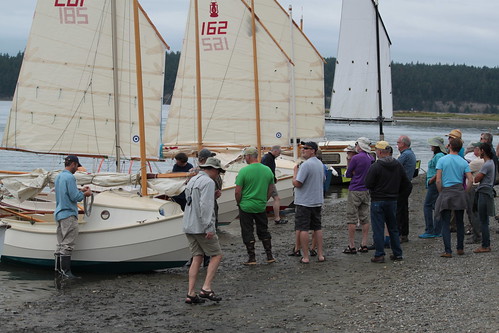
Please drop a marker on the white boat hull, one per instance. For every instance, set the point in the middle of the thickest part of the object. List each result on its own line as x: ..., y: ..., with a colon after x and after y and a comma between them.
x: 135, y: 237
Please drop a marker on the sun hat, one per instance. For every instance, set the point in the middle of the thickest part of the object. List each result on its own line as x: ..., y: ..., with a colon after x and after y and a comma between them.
x: 476, y: 144
x: 382, y: 145
x: 364, y: 144
x: 437, y: 142
x: 213, y: 162
x: 205, y: 153
x: 350, y: 149
x: 250, y: 151
x: 455, y: 134
x: 72, y: 158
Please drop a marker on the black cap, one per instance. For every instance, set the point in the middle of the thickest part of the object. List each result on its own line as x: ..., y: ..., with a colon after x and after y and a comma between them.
x: 205, y: 153
x: 311, y: 144
x: 72, y: 158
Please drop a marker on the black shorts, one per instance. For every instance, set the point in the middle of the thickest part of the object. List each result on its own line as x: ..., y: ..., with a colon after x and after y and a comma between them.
x: 308, y: 218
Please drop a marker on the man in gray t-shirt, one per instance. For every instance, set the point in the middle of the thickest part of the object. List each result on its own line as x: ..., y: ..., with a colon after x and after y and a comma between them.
x: 308, y: 180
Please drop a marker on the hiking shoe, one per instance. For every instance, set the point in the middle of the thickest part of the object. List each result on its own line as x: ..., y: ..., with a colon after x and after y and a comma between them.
x: 426, y: 235
x: 378, y: 260
x: 482, y: 250
x: 396, y: 258
x: 460, y: 252
x: 446, y: 255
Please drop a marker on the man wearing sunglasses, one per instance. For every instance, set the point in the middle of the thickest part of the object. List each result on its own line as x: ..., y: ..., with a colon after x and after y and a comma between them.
x: 308, y: 180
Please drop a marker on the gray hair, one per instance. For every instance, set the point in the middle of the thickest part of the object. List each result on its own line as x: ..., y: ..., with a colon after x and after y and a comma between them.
x: 405, y: 139
x: 276, y: 148
x: 487, y: 136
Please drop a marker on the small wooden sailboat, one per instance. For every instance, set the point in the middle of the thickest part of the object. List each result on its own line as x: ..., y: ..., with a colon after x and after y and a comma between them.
x: 91, y: 84
x: 243, y: 66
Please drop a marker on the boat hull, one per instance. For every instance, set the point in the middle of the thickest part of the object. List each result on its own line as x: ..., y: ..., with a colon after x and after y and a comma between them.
x: 134, y: 237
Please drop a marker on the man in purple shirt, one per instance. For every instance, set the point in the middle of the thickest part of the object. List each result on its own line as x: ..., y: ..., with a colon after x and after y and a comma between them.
x: 358, y: 195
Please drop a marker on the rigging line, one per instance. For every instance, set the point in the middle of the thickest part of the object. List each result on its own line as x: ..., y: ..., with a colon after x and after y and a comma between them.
x: 226, y: 72
x: 96, y: 42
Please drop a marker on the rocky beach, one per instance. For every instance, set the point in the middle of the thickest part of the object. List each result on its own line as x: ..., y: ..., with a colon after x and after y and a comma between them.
x: 347, y: 293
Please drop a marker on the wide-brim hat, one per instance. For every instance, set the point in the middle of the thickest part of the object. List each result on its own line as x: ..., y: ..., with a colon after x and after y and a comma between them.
x: 250, y: 151
x: 455, y: 134
x: 350, y: 149
x: 213, y: 162
x: 364, y: 144
x: 437, y: 142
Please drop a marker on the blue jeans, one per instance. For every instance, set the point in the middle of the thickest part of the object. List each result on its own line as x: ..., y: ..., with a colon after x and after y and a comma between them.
x: 433, y: 226
x: 385, y: 212
x: 446, y: 229
x: 484, y: 219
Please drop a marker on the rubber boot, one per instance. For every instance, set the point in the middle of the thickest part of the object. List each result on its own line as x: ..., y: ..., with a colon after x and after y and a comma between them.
x: 267, y: 245
x: 250, y: 247
x: 57, y: 262
x: 65, y: 270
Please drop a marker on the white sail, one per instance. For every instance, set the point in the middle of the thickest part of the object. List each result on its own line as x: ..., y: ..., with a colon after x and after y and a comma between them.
x: 355, y: 88
x: 227, y: 81
x: 309, y: 68
x: 64, y: 100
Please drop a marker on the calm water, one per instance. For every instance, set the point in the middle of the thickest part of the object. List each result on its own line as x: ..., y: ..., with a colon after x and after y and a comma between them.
x: 20, y: 284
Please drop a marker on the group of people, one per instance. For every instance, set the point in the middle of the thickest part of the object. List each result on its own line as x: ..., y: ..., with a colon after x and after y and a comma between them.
x: 460, y: 181
x: 378, y: 196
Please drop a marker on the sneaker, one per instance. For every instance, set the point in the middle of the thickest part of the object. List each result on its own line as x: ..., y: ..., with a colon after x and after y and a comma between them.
x: 446, y: 255
x: 426, y: 235
x: 281, y: 221
x: 396, y: 258
x: 437, y: 235
x: 378, y: 260
x: 371, y: 247
x: 482, y: 250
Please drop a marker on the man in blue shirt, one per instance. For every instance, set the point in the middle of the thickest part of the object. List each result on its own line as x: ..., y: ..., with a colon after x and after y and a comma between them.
x: 67, y: 197
x: 408, y: 161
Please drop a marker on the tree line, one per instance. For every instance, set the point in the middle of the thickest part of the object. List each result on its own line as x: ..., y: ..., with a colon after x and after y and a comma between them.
x: 415, y: 86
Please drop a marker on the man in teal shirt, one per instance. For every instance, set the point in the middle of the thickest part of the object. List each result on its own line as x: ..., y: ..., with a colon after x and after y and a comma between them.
x: 253, y: 189
x: 67, y: 197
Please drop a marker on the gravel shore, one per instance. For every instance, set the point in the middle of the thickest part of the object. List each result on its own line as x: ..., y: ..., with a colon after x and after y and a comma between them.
x: 347, y: 293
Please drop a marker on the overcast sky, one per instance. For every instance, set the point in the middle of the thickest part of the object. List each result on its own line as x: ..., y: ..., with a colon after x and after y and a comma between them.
x: 429, y: 31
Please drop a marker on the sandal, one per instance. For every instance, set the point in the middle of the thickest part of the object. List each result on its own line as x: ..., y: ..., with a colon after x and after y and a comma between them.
x: 210, y: 295
x: 363, y: 249
x: 350, y: 250
x: 194, y: 299
x: 296, y: 253
x: 312, y: 252
x: 304, y: 262
x: 281, y: 221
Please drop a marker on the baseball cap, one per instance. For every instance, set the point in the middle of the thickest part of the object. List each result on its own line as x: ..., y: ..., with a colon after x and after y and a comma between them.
x: 72, y: 158
x: 250, y: 151
x: 311, y: 144
x: 382, y: 145
x: 205, y: 153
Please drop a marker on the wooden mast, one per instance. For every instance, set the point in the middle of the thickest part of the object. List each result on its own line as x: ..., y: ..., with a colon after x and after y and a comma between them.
x: 198, y: 79
x: 293, y: 89
x: 255, y: 75
x: 140, y: 99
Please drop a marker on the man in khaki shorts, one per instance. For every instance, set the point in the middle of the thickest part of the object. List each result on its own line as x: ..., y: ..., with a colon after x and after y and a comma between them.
x: 200, y: 230
x: 358, y: 195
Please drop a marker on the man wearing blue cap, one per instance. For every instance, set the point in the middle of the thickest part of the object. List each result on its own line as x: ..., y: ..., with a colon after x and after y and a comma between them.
x: 67, y: 197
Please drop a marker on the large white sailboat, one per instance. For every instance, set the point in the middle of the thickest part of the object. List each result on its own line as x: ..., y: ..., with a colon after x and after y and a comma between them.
x: 362, y: 87
x: 245, y: 78
x: 91, y: 84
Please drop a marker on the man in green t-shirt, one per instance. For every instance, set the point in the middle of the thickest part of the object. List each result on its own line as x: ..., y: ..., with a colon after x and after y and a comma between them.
x: 253, y: 189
